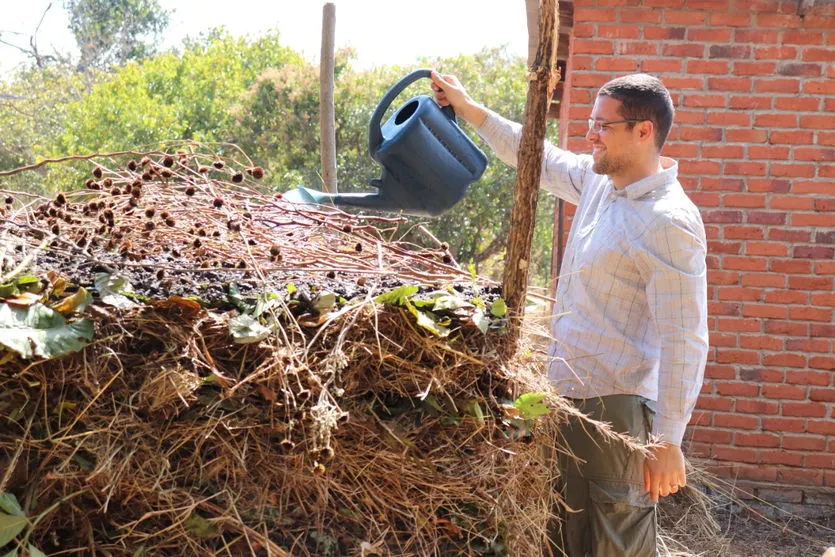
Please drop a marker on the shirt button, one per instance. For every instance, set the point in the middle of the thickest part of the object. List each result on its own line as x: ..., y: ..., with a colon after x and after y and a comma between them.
x: 612, y: 195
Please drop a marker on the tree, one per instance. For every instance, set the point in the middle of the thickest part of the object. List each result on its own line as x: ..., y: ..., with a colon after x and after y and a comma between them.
x: 112, y: 32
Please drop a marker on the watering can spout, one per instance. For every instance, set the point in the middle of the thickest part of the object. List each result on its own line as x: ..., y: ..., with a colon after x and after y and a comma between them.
x: 364, y: 200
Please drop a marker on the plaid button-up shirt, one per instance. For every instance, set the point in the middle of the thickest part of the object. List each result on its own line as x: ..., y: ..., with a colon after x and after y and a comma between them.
x: 631, y: 311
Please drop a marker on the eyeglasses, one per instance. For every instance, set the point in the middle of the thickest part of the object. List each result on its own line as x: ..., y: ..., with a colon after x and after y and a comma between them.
x: 599, y: 126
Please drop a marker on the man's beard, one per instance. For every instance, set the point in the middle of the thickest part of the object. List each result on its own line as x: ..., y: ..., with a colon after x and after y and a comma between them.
x: 609, y: 165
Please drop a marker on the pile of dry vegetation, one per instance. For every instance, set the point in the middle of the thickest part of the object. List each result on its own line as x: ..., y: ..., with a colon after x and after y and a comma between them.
x: 192, y: 366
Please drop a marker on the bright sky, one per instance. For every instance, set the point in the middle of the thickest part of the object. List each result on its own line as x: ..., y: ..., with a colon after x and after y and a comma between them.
x: 382, y: 31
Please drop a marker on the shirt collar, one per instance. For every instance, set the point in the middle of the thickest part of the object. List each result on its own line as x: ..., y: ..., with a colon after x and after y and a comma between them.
x: 667, y: 176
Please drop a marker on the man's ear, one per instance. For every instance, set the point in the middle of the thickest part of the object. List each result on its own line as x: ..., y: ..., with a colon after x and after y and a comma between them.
x: 646, y: 130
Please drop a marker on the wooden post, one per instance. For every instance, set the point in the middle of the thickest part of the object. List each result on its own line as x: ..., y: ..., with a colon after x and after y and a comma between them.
x: 542, y: 79
x: 327, y: 119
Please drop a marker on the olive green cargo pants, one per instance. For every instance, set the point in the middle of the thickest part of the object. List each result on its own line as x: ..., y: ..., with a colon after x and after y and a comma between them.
x: 613, y: 516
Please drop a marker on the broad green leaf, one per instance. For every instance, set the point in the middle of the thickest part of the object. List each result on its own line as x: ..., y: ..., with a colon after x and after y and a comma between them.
x: 291, y: 288
x: 112, y: 290
x: 12, y: 553
x: 480, y: 320
x: 11, y: 526
x: 474, y: 409
x: 428, y: 321
x: 201, y: 527
x: 8, y: 290
x: 447, y: 301
x: 498, y: 308
x: 530, y: 405
x: 28, y: 283
x: 37, y: 330
x: 246, y: 330
x: 8, y: 502
x: 265, y: 302
x: 35, y: 552
x: 398, y: 296
x: 237, y: 300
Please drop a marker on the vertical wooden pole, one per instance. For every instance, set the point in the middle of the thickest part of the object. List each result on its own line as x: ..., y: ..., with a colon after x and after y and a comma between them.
x: 327, y: 118
x: 542, y: 79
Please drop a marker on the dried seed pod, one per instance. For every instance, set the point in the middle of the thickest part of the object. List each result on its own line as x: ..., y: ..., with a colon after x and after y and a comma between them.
x: 145, y: 161
x: 97, y: 172
x: 201, y: 232
x: 447, y: 258
x: 361, y: 281
x: 202, y: 169
x: 166, y: 173
x: 237, y: 177
x: 251, y: 242
x: 175, y: 252
x: 241, y: 264
x: 275, y: 250
x: 149, y: 212
x: 160, y: 274
x: 216, y: 234
x: 107, y: 182
x: 325, y: 454
x: 147, y: 176
x: 278, y: 195
x: 133, y: 202
x: 286, y: 445
x: 218, y: 203
x: 444, y: 246
x: 60, y: 199
x: 115, y: 191
x: 101, y: 229
x: 55, y: 229
x: 168, y: 161
x: 190, y: 191
x: 347, y: 228
x: 132, y: 165
x: 358, y: 247
x: 9, y: 200
x: 149, y: 225
x: 170, y: 222
x: 256, y: 172
x: 319, y: 469
x: 136, y: 192
x: 163, y: 215
x: 218, y: 164
x: 233, y: 225
x: 81, y: 242
x: 197, y: 243
x: 331, y: 274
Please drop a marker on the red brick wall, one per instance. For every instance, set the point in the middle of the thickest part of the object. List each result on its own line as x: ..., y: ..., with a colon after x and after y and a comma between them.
x: 754, y: 87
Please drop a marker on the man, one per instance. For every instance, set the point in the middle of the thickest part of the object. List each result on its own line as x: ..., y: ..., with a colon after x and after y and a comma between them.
x: 630, y: 323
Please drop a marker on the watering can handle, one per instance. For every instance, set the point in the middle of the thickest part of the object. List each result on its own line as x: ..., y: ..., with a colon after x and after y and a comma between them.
x: 375, y: 133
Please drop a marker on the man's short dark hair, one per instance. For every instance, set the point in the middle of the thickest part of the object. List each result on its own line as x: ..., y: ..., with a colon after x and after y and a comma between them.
x: 643, y: 97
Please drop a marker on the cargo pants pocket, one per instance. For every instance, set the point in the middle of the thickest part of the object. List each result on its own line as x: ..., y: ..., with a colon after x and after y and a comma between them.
x: 622, y: 518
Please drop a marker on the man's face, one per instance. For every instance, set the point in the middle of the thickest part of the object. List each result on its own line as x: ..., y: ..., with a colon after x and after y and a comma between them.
x: 613, y: 148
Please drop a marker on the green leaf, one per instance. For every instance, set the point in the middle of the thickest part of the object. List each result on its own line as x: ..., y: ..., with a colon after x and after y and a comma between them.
x: 448, y: 302
x: 8, y: 502
x: 398, y: 296
x: 265, y: 302
x: 498, y: 308
x: 324, y: 302
x: 111, y: 290
x: 8, y: 290
x: 28, y: 283
x: 35, y: 552
x: 77, y: 302
x: 530, y: 405
x: 11, y: 526
x: 473, y: 408
x: 428, y: 321
x: 234, y: 296
x: 291, y: 288
x: 38, y: 330
x: 200, y: 527
x: 480, y: 320
x: 247, y: 330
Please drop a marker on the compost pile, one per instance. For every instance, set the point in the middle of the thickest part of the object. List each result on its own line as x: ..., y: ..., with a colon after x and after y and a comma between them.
x: 191, y: 365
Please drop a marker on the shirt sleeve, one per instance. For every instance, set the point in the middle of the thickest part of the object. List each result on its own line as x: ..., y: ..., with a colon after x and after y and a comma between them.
x: 563, y: 172
x: 671, y: 258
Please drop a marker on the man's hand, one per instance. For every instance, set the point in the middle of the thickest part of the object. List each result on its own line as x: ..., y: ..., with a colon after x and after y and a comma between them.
x: 664, y: 471
x: 449, y: 92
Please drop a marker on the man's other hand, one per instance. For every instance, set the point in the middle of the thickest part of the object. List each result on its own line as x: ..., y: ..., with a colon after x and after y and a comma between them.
x: 664, y: 471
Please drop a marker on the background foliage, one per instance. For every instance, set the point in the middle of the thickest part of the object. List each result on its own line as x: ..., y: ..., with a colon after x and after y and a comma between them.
x: 254, y: 93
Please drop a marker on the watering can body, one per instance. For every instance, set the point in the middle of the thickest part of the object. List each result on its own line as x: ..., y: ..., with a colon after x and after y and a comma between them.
x: 428, y: 162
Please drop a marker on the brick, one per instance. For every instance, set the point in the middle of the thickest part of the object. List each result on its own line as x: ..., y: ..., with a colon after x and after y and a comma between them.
x: 746, y: 136
x: 780, y: 21
x: 813, y: 54
x: 792, y: 170
x: 823, y: 299
x: 789, y: 235
x: 664, y: 33
x: 743, y: 232
x: 817, y: 122
x: 734, y: 454
x: 791, y: 203
x: 824, y: 427
x: 736, y: 19
x: 826, y: 138
x: 767, y: 184
x: 811, y: 283
x: 707, y: 402
x: 786, y: 297
x: 755, y: 473
x: 809, y: 345
x: 616, y: 65
x: 776, y: 120
x: 820, y: 330
x: 729, y: 118
x: 750, y: 357
x: 709, y: 35
x: 817, y: 154
x: 791, y: 137
x: 803, y: 409
x: 784, y: 425
x: 759, y: 68
x: 736, y: 389
x: 680, y: 83
x: 745, y: 168
x: 803, y: 37
x: 593, y: 15
x: 822, y: 394
x: 662, y: 66
x: 761, y: 375
x: 740, y: 325
x: 825, y: 205
x: 761, y: 342
x: 593, y: 47
x: 803, y: 443
x: 782, y: 457
x: 749, y: 201
x: 826, y: 460
x: 786, y: 328
x: 825, y: 267
x: 705, y: 101
x: 813, y: 252
x: 724, y: 247
x: 790, y: 266
x: 767, y: 440
x: 759, y: 407
x: 681, y: 150
x: 786, y: 359
x: 807, y: 219
x: 714, y: 216
x: 797, y: 103
x: 640, y: 15
x: 790, y: 392
x: 796, y: 69
x: 744, y: 263
x: 769, y: 152
x: 816, y: 378
x: 729, y: 51
x: 688, y: 50
x: 719, y: 339
x: 712, y: 436
x: 764, y: 280
x: 822, y: 362
x: 777, y: 86
x: 775, y: 53
x: 758, y: 36
x: 698, y: 67
x: 615, y: 32
x: 689, y: 17
x: 722, y: 277
x: 700, y: 133
x: 819, y: 87
x: 810, y: 314
x: 725, y: 309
